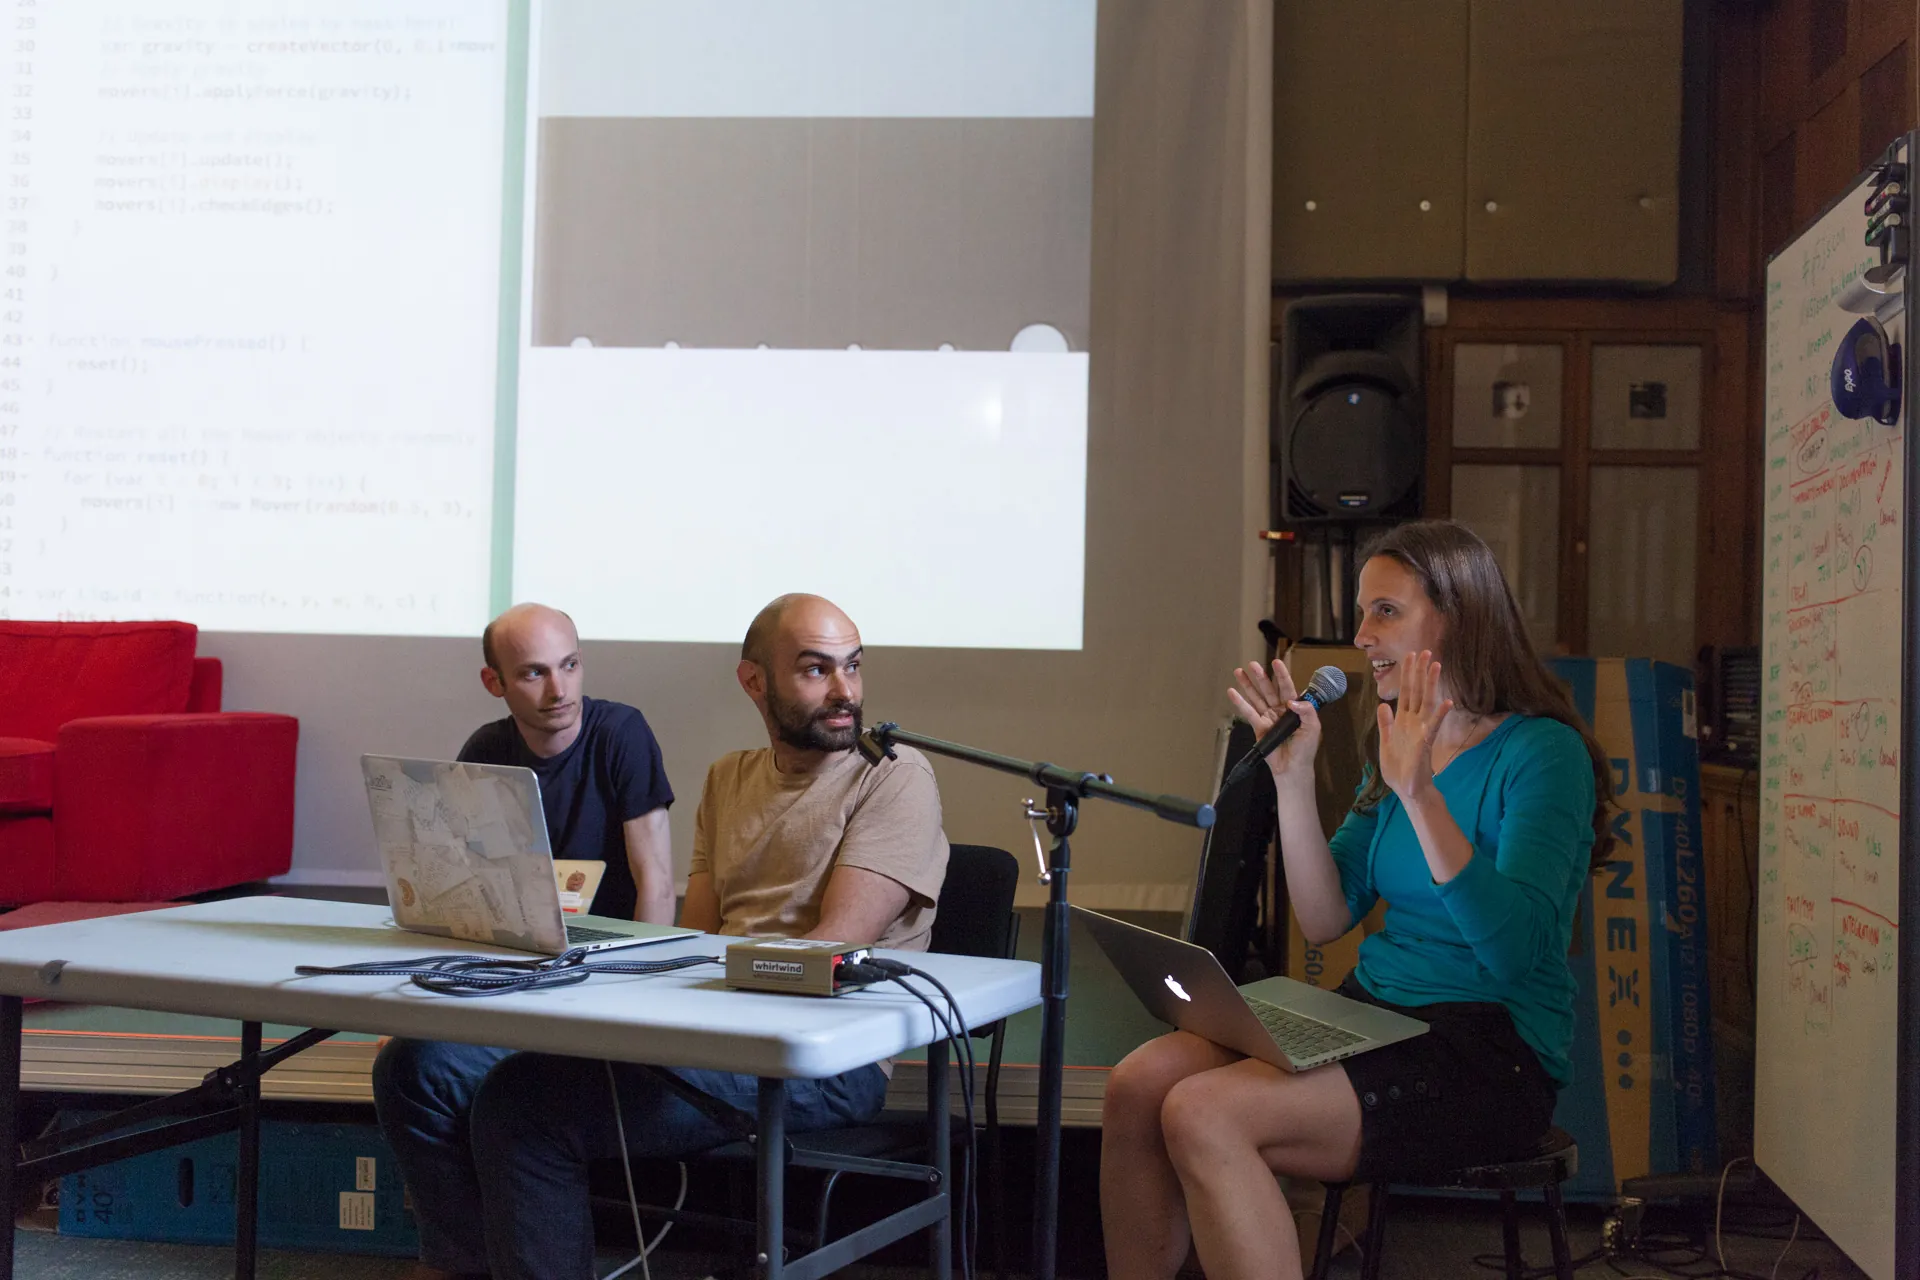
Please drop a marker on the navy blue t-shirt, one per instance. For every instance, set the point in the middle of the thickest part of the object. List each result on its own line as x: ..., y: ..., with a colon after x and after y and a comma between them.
x: 611, y: 774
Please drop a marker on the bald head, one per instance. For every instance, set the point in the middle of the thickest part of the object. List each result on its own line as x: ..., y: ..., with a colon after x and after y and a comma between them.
x: 800, y: 664
x: 789, y: 616
x: 533, y: 661
x: 526, y: 626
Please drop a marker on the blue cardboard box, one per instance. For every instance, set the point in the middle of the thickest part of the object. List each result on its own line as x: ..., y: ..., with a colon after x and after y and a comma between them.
x: 1642, y: 1097
x: 323, y: 1187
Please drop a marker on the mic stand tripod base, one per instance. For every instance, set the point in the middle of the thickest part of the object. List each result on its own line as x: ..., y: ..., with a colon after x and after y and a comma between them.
x: 1064, y: 793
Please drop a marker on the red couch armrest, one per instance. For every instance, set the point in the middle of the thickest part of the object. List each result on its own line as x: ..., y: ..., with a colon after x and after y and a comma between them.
x: 147, y: 808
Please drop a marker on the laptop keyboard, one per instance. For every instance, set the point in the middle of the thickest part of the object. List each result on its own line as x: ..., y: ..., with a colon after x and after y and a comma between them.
x: 578, y: 933
x: 1301, y: 1037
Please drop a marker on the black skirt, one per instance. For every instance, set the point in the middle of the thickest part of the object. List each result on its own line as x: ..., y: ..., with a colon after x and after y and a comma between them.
x: 1468, y: 1092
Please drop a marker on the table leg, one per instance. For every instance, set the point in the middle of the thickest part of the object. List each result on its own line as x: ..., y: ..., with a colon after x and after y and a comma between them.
x: 940, y: 1145
x: 770, y: 1152
x: 247, y: 1191
x: 9, y: 1122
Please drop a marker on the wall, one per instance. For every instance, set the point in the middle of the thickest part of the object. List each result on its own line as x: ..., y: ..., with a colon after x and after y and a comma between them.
x: 1175, y: 579
x: 1805, y: 94
x: 1835, y: 84
x: 1718, y: 259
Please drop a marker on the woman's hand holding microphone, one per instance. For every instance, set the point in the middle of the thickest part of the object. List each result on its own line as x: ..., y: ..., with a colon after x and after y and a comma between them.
x: 1261, y: 699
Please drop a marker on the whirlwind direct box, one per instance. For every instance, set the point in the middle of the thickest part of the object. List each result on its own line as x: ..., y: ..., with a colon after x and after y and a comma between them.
x: 794, y: 966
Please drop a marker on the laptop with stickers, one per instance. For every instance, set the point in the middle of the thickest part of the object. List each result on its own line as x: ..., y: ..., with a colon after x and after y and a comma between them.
x: 466, y: 855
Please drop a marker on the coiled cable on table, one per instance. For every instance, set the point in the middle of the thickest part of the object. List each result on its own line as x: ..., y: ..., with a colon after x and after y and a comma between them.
x: 474, y: 975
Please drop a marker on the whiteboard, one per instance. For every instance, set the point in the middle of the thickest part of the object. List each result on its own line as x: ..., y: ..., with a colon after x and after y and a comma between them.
x: 1830, y: 851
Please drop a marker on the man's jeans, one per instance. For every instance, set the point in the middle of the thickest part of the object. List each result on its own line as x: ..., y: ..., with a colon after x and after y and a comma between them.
x: 494, y: 1144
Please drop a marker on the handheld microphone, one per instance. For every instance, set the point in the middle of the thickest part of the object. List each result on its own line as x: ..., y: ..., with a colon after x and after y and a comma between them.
x: 1329, y: 684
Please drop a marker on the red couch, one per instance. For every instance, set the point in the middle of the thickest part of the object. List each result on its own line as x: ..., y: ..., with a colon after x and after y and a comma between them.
x: 121, y: 780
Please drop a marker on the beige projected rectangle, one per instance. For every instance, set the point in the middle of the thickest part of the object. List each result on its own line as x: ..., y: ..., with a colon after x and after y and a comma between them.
x: 892, y: 233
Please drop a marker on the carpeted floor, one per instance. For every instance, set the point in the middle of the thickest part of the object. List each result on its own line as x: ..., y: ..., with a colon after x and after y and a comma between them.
x: 1427, y: 1240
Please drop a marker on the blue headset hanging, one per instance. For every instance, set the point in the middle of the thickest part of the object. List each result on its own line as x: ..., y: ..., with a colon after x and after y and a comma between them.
x: 1866, y: 368
x: 1866, y: 373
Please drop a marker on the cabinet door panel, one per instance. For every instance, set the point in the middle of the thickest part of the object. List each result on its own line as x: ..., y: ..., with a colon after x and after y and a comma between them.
x: 1646, y: 396
x: 1369, y: 123
x: 1573, y: 141
x: 1506, y: 395
x: 1516, y: 512
x: 1640, y: 567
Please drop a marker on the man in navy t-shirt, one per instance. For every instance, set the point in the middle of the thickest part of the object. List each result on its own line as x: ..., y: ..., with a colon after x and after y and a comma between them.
x: 602, y: 781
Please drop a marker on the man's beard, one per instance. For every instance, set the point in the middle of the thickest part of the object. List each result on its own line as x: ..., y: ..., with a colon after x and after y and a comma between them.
x: 798, y: 727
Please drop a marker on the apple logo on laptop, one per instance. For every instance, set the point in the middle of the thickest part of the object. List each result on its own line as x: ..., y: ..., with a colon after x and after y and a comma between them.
x: 1177, y: 989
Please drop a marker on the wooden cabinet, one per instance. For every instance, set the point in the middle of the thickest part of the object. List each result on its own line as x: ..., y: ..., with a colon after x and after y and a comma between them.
x: 1369, y: 139
x: 1729, y: 847
x: 1485, y: 140
x: 1599, y: 447
x: 1573, y: 141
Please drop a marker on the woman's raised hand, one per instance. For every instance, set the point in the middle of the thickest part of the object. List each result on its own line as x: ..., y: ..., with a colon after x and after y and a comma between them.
x: 1407, y: 733
x: 1261, y: 699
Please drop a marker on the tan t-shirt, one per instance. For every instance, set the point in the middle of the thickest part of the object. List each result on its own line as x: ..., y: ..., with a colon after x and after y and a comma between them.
x: 770, y: 840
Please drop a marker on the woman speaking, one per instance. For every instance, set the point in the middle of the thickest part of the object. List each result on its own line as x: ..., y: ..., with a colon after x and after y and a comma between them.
x: 1482, y: 810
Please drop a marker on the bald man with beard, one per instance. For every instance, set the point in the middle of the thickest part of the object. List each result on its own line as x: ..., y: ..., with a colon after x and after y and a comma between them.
x: 799, y: 839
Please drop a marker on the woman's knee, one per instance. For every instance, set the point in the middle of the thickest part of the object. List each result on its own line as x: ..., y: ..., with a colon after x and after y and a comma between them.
x: 1306, y: 1124
x: 1201, y: 1117
x: 1188, y: 1117
x: 1138, y: 1086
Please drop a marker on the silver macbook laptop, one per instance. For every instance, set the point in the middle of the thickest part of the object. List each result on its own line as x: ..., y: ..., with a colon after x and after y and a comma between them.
x: 1294, y: 1026
x: 466, y: 854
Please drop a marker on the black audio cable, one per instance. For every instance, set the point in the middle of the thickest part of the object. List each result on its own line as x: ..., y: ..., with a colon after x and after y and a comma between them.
x: 874, y: 968
x: 470, y: 976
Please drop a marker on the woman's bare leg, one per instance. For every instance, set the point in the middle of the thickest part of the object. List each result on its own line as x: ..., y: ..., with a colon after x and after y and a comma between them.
x: 1142, y: 1213
x: 1227, y: 1133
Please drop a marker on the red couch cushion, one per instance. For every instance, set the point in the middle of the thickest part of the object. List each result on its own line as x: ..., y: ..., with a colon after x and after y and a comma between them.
x: 53, y: 672
x: 26, y: 859
x: 26, y: 775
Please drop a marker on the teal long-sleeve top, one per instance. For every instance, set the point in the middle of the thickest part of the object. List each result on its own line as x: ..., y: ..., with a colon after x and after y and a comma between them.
x: 1500, y: 929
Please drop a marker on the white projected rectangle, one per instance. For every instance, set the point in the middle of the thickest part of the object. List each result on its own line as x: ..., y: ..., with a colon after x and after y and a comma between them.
x: 819, y: 58
x: 807, y: 290
x: 253, y: 278
x: 792, y: 297
x: 932, y: 494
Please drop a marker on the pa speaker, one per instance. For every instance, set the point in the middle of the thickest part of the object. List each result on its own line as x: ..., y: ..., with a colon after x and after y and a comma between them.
x: 1349, y: 410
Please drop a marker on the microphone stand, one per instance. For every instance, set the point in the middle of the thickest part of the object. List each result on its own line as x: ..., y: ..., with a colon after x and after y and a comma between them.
x: 1065, y: 790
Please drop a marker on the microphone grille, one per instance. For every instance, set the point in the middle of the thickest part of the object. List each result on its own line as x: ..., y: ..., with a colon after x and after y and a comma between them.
x: 1329, y: 684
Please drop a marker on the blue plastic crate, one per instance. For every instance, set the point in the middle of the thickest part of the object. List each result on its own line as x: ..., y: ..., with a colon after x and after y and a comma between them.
x: 323, y: 1187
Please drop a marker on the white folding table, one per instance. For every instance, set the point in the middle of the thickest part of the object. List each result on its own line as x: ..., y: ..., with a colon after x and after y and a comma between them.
x: 236, y: 959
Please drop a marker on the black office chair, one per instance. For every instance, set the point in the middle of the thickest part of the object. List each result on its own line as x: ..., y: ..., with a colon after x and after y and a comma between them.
x: 975, y: 918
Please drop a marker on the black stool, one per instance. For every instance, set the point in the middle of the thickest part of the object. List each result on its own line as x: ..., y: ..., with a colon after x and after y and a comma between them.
x: 1556, y: 1160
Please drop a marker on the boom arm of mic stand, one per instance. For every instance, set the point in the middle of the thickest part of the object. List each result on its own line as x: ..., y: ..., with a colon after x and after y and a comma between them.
x: 1065, y: 790
x: 878, y: 743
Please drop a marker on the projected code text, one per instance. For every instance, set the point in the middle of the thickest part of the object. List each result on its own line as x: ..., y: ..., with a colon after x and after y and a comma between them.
x: 251, y: 316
